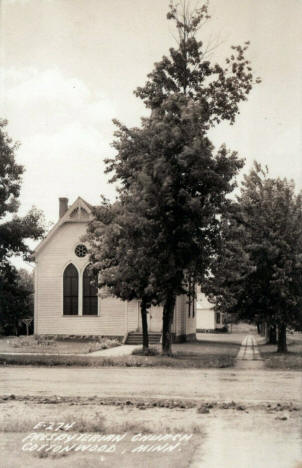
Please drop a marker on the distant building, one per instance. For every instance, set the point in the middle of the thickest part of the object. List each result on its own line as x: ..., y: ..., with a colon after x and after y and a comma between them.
x: 206, y: 317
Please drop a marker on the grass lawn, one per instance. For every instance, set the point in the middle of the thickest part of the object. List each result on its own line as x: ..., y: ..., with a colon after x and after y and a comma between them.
x: 210, y: 350
x: 41, y: 345
x: 290, y: 360
x: 222, y: 346
x: 177, y: 361
x: 215, y: 351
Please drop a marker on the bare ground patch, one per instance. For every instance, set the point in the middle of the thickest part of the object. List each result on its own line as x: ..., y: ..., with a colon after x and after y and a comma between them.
x: 204, y: 421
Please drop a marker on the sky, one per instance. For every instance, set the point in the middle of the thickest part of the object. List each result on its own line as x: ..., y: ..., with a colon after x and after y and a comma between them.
x: 68, y: 67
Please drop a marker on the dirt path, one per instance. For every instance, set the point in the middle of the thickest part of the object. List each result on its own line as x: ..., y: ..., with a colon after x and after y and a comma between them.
x: 250, y: 441
x: 253, y: 385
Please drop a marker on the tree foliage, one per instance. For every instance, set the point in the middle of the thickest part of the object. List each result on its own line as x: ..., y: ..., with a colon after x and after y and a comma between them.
x: 170, y: 170
x: 177, y: 186
x: 119, y: 256
x: 16, y: 298
x: 218, y: 89
x: 15, y: 231
x: 259, y: 269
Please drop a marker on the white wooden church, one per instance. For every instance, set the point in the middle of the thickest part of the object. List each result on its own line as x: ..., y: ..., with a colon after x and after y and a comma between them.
x: 67, y: 304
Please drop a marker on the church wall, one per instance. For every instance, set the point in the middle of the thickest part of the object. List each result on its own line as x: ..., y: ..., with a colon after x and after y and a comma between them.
x: 190, y: 320
x: 185, y: 326
x: 51, y: 262
x: 179, y: 319
x: 115, y: 317
x: 132, y: 315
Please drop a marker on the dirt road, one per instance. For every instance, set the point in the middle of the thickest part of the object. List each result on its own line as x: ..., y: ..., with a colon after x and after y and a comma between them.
x: 253, y: 385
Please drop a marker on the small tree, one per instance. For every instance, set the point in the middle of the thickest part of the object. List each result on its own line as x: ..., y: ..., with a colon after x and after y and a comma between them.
x: 118, y: 257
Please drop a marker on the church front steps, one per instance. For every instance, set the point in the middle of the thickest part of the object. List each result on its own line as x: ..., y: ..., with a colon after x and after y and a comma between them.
x: 137, y: 338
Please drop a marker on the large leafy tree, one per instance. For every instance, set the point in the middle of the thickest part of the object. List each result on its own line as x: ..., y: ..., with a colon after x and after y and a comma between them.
x: 169, y: 165
x: 262, y: 255
x: 15, y: 231
x: 179, y: 188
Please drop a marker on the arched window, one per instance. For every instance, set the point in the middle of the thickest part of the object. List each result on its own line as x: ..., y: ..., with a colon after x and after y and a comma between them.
x: 71, y: 290
x: 90, y: 293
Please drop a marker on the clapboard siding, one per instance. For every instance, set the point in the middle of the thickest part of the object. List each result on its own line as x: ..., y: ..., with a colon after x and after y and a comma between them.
x: 191, y: 324
x: 115, y: 317
x: 51, y: 262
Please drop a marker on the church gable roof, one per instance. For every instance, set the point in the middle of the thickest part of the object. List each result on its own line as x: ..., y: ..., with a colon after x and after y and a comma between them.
x: 79, y: 212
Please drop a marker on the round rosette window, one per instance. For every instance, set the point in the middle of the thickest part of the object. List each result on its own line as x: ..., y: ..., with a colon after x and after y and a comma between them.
x: 80, y: 250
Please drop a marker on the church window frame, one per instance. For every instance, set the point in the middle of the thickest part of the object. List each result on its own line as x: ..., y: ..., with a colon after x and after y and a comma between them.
x: 71, y: 281
x: 90, y: 298
x: 80, y: 298
x: 81, y: 250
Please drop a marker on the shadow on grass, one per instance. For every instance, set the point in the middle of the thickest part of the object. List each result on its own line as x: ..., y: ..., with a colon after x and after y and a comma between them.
x: 290, y: 360
x: 216, y: 343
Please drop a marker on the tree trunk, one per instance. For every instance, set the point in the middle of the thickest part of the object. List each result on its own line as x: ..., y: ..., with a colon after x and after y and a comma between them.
x: 282, y: 346
x: 264, y: 329
x: 167, y: 321
x: 267, y: 328
x: 145, y: 326
x: 258, y: 327
x: 272, y: 334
